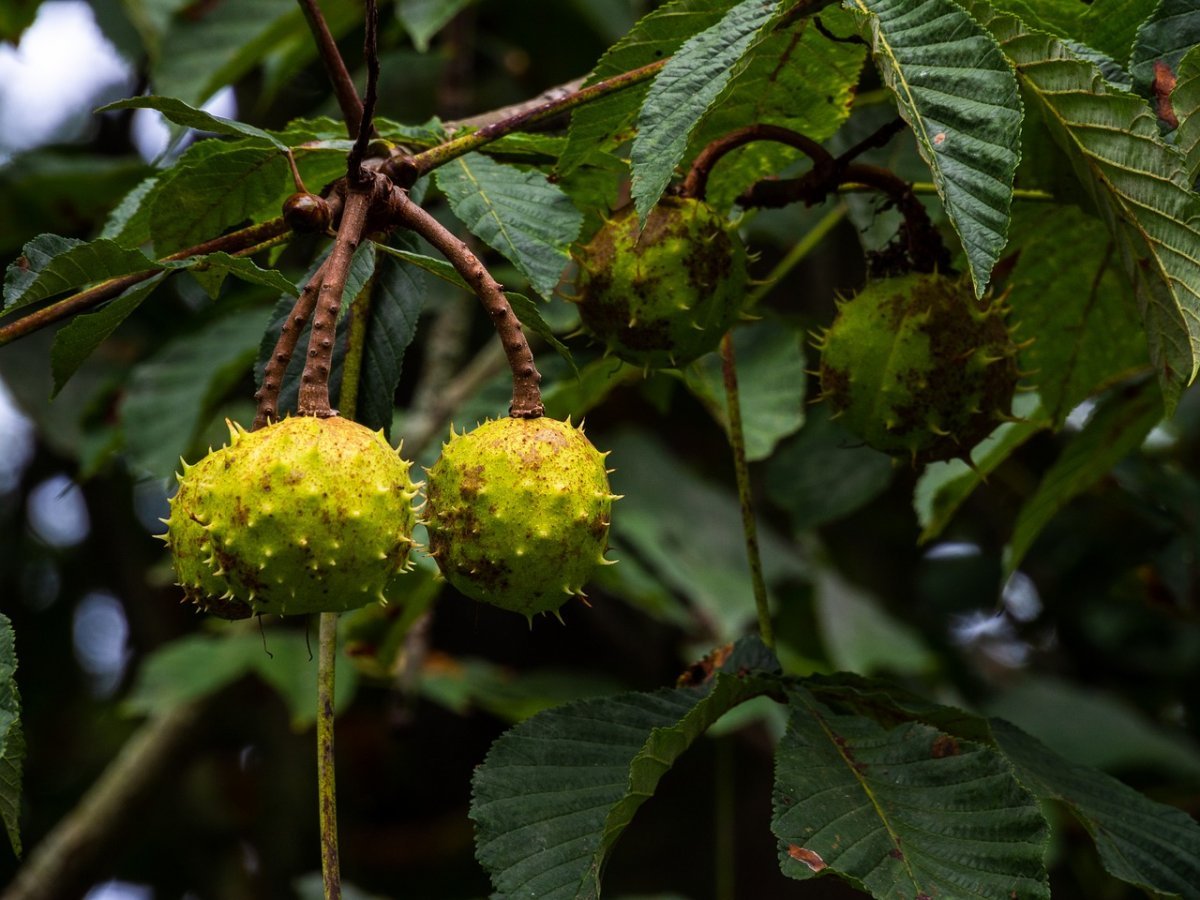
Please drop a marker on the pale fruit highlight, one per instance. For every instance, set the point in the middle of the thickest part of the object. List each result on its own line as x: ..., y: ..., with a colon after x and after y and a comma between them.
x: 518, y: 513
x: 306, y: 515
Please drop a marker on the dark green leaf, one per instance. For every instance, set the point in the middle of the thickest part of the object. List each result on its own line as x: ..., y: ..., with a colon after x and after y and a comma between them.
x: 957, y: 92
x: 422, y: 19
x: 1135, y: 181
x: 771, y: 384
x: 210, y: 270
x: 172, y: 395
x: 516, y: 212
x: 199, y: 201
x: 1148, y: 844
x: 1116, y: 429
x: 190, y: 117
x: 825, y: 472
x: 683, y: 92
x: 655, y: 36
x: 51, y: 264
x: 1170, y: 32
x: 80, y: 337
x: 12, y: 738
x: 129, y: 222
x: 556, y: 792
x: 903, y: 812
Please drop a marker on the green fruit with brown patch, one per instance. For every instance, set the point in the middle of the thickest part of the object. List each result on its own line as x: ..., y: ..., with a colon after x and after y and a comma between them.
x: 306, y: 515
x: 662, y: 295
x: 917, y: 367
x: 518, y: 512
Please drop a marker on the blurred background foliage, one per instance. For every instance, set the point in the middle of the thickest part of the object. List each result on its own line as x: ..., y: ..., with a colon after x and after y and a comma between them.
x: 1092, y: 644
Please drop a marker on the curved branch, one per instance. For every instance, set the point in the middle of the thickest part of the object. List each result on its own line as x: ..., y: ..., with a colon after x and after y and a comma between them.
x: 527, y: 396
x: 696, y: 182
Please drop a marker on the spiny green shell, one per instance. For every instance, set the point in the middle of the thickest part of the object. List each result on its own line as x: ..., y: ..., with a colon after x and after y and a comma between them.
x: 305, y: 515
x: 917, y: 367
x: 663, y: 295
x: 518, y: 512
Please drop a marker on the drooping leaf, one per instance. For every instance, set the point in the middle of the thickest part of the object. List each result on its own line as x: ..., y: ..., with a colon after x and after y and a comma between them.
x: 957, y: 92
x: 422, y: 19
x: 824, y: 472
x: 1135, y: 181
x: 906, y: 811
x: 683, y: 92
x: 199, y: 201
x: 1073, y: 300
x: 771, y: 384
x: 1185, y: 101
x: 1170, y: 32
x: 50, y: 265
x: 944, y: 486
x: 181, y: 113
x: 12, y: 737
x: 792, y: 77
x: 397, y: 297
x: 171, y: 396
x: 203, y: 52
x: 212, y: 268
x: 555, y: 793
x: 80, y: 337
x: 519, y: 213
x: 1148, y: 844
x: 655, y: 36
x: 1117, y: 428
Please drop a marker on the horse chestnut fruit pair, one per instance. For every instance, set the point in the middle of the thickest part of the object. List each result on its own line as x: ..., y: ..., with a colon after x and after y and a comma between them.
x: 315, y: 515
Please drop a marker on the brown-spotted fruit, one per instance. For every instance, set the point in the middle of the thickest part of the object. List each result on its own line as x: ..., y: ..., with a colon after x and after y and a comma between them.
x: 662, y: 295
x: 917, y: 367
x: 306, y: 515
x: 518, y: 512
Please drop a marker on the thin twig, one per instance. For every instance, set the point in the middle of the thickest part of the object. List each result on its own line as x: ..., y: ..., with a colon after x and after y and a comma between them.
x: 527, y: 396
x: 289, y: 335
x: 696, y: 182
x: 326, y: 778
x: 737, y: 441
x: 366, y: 126
x: 92, y: 297
x: 339, y: 75
x: 314, y: 382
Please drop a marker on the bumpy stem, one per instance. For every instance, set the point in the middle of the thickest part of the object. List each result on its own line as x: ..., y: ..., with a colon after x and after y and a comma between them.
x: 335, y: 66
x: 527, y: 396
x: 326, y: 782
x: 314, y: 383
x: 737, y: 441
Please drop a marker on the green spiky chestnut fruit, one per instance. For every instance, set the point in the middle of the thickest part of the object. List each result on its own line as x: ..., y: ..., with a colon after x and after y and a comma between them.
x: 917, y: 367
x: 518, y: 512
x: 662, y: 295
x: 306, y: 515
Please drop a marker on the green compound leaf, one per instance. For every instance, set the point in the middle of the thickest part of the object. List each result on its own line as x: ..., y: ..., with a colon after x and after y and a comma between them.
x: 654, y: 37
x: 957, y: 92
x: 1137, y: 184
x: 907, y: 811
x: 12, y: 738
x: 1115, y: 430
x: 1172, y: 30
x: 190, y: 117
x: 556, y: 792
x: 50, y: 265
x: 518, y: 213
x: 1147, y: 844
x: 683, y: 92
x: 1185, y: 100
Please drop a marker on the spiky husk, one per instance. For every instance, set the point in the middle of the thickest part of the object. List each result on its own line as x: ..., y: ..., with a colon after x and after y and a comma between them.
x: 306, y: 515
x: 918, y: 368
x: 518, y: 512
x: 663, y: 295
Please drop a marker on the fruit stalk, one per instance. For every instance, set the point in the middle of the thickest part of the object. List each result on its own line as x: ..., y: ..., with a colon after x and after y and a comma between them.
x: 527, y: 396
x: 737, y: 441
x: 314, y: 383
x: 326, y: 784
x: 696, y: 182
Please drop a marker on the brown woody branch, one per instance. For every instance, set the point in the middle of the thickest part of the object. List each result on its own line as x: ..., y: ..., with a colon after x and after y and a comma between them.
x: 696, y: 182
x: 366, y: 126
x: 527, y: 396
x: 343, y: 85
